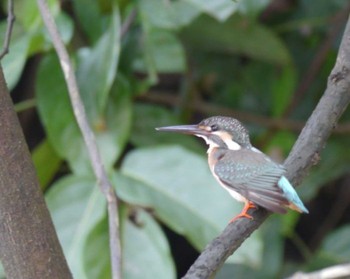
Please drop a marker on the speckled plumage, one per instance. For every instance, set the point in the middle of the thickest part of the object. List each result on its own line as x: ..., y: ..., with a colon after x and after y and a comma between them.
x: 252, y: 175
x: 230, y: 125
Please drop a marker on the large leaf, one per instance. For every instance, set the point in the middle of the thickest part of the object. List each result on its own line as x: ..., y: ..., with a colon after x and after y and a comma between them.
x: 236, y: 36
x: 76, y: 206
x: 97, y: 253
x: 336, y: 246
x: 29, y: 18
x: 252, y: 7
x: 273, y: 246
x: 91, y: 18
x: 167, y: 15
x: 46, y: 163
x: 220, y: 9
x: 162, y: 52
x: 283, y: 89
x: 177, y: 184
x: 176, y: 14
x: 28, y: 14
x: 113, y: 133
x: 143, y: 245
x: 56, y: 113
x: 13, y: 62
x: 97, y: 68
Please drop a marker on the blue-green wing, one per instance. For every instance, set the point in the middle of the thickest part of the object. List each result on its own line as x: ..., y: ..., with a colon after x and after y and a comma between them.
x: 253, y: 175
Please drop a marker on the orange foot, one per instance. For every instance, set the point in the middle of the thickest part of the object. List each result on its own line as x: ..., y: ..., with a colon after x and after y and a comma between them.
x: 244, y: 213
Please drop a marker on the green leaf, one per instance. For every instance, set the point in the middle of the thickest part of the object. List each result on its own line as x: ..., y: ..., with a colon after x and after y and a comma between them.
x: 237, y: 35
x: 28, y: 15
x: 91, y: 18
x: 46, y: 163
x: 29, y: 18
x: 282, y: 140
x: 145, y: 244
x: 14, y: 61
x: 97, y: 68
x: 113, y: 135
x: 184, y: 12
x: 273, y: 246
x: 57, y: 116
x: 147, y: 118
x: 282, y: 90
x: 252, y: 8
x: 178, y: 185
x: 97, y: 253
x: 56, y: 113
x: 162, y: 53
x: 76, y: 206
x: 167, y: 15
x: 336, y: 246
x: 219, y: 9
x: 65, y: 27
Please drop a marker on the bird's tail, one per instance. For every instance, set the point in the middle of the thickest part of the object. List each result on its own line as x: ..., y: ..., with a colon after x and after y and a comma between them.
x: 291, y: 195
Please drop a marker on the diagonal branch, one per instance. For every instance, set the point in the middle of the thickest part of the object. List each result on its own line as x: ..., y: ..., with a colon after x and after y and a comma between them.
x: 89, y: 138
x: 127, y: 23
x: 304, y: 155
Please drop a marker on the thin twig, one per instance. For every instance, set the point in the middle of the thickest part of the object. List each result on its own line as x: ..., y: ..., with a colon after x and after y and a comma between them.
x: 24, y: 105
x: 206, y: 108
x: 304, y: 154
x: 89, y: 138
x: 10, y: 20
x: 127, y: 23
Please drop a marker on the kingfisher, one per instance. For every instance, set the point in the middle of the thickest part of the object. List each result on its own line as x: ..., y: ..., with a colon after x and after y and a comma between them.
x: 249, y: 175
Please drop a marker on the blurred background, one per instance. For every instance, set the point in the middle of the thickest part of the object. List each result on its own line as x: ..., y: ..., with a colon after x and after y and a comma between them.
x: 150, y: 63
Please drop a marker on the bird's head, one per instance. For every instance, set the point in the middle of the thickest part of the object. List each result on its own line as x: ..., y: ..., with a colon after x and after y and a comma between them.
x: 217, y: 131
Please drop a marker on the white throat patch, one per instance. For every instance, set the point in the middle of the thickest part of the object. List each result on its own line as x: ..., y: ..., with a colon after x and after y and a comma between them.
x: 211, y: 144
x: 232, y: 145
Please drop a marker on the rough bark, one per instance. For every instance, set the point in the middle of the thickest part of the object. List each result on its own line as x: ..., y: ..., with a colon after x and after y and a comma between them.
x: 29, y: 247
x: 304, y: 155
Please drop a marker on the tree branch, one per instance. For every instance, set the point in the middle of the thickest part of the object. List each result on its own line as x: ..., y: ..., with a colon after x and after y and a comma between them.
x: 89, y: 138
x: 10, y: 21
x: 29, y: 247
x: 304, y: 154
x: 206, y: 108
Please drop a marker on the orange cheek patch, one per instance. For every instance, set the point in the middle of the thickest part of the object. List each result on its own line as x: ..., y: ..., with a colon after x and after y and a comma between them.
x: 205, y: 128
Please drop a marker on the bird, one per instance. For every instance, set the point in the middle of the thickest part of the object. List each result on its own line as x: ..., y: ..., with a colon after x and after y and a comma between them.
x: 249, y: 175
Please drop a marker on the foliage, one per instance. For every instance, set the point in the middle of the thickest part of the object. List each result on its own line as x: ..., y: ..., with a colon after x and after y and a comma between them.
x: 240, y: 55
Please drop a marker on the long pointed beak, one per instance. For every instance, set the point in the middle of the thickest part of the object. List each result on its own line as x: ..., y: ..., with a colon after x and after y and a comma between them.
x: 184, y: 129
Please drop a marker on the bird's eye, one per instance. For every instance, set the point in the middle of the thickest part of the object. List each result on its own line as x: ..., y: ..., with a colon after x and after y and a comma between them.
x: 214, y: 127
